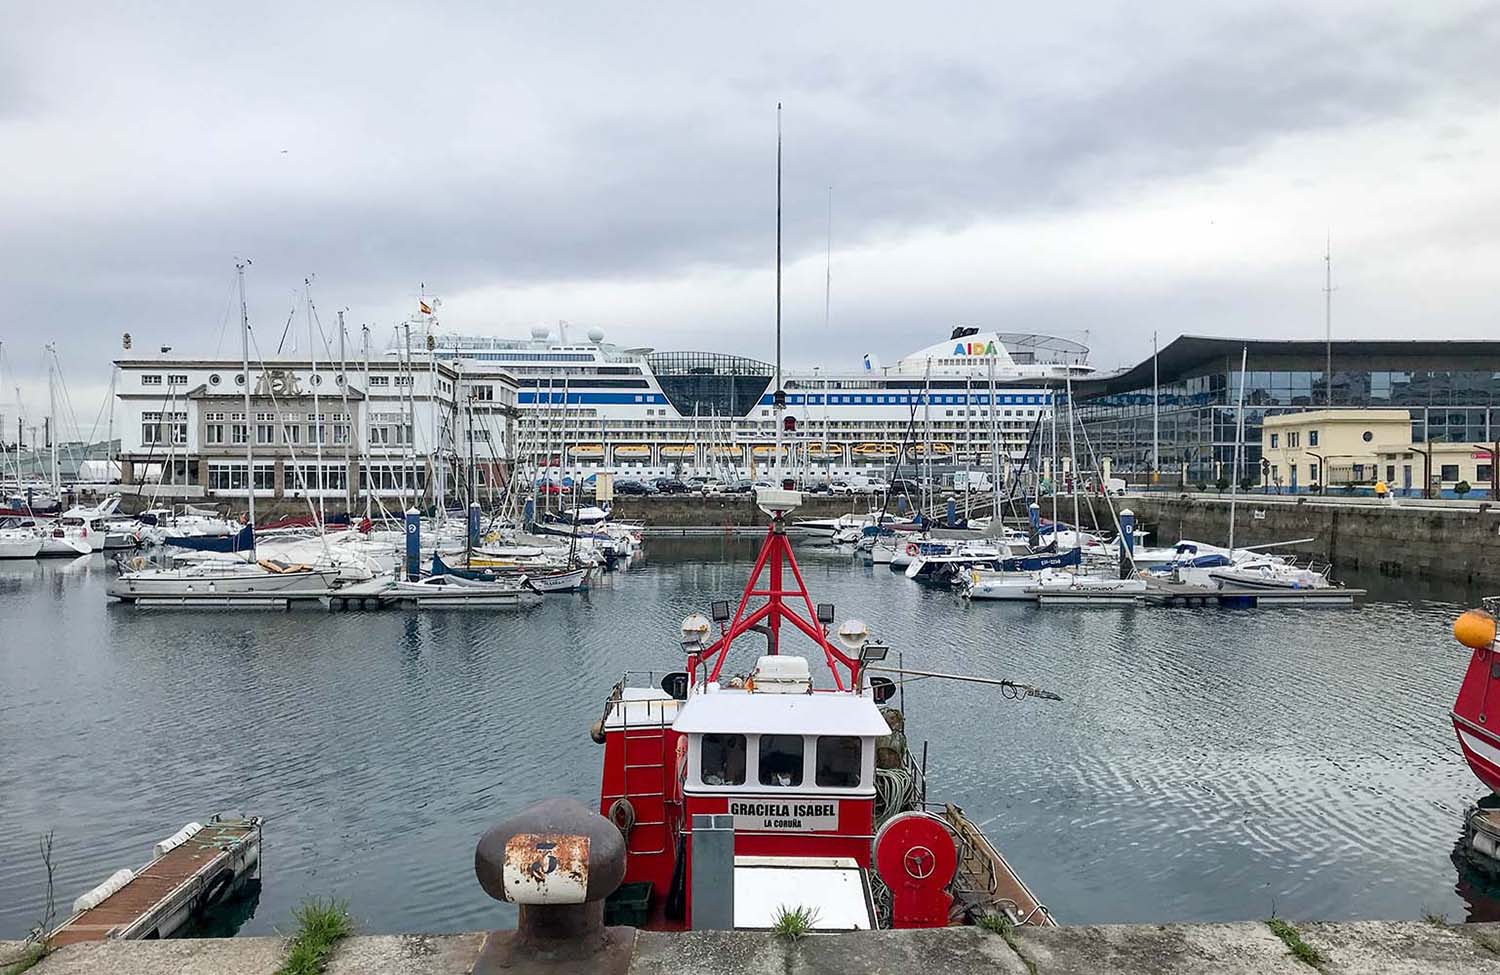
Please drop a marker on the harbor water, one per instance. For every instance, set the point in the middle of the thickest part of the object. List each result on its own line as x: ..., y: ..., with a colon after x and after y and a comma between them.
x: 1203, y: 765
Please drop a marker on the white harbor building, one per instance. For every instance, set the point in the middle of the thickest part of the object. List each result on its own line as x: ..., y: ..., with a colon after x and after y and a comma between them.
x: 399, y: 432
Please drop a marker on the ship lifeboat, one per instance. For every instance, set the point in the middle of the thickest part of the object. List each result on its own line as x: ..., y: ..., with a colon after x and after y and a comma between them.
x: 734, y: 453
x: 922, y: 450
x: 876, y: 449
x: 825, y: 450
x: 582, y: 450
x: 678, y: 450
x: 763, y: 449
x: 632, y: 450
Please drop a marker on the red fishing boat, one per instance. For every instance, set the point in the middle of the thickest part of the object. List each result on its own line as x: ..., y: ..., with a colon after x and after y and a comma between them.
x: 801, y: 792
x: 1476, y: 712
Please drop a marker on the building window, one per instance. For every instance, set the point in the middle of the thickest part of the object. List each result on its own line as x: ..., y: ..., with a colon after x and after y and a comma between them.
x: 723, y: 761
x: 1312, y: 438
x: 380, y: 380
x: 238, y: 433
x: 265, y: 433
x: 1275, y: 437
x: 838, y: 764
x: 1390, y: 472
x: 265, y: 477
x: 1483, y: 472
x: 1312, y: 473
x: 482, y: 393
x: 151, y: 379
x: 1450, y: 472
x: 1293, y: 439
x: 213, y: 434
x: 1367, y: 436
x: 177, y: 379
x: 226, y: 477
x: 341, y: 433
x: 292, y: 432
x: 781, y: 760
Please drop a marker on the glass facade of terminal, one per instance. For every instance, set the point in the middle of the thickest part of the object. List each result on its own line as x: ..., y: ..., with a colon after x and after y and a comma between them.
x: 1195, y: 407
x: 711, y: 383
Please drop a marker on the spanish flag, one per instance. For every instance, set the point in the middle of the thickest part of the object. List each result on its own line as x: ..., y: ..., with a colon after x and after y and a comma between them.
x: 425, y: 307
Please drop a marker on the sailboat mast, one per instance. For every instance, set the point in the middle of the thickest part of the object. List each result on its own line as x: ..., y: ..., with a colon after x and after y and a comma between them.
x: 778, y: 397
x: 1239, y: 438
x: 410, y: 409
x: 348, y: 420
x: 995, y: 485
x: 364, y: 426
x: 52, y: 418
x: 239, y: 268
x: 1155, y: 413
x: 317, y: 423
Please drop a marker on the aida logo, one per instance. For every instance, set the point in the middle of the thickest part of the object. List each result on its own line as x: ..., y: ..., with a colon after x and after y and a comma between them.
x: 974, y: 348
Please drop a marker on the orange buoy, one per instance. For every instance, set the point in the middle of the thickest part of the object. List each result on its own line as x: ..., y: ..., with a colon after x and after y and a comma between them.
x: 1475, y: 629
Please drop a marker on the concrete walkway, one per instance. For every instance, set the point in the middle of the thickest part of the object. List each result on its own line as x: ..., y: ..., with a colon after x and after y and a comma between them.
x: 1357, y: 948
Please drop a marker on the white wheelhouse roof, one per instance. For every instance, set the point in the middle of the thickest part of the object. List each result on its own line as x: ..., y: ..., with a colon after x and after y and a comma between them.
x: 739, y: 712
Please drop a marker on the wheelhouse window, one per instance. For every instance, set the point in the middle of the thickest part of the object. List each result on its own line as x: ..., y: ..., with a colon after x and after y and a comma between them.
x: 781, y: 760
x: 723, y: 760
x: 838, y: 764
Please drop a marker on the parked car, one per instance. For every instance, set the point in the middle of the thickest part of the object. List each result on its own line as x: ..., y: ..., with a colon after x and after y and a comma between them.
x: 634, y: 487
x: 905, y: 485
x: 671, y: 485
x: 822, y: 487
x: 738, y: 486
x: 843, y: 487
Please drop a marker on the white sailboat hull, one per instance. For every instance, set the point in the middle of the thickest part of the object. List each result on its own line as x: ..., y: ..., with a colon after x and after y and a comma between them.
x: 20, y: 548
x: 221, y: 582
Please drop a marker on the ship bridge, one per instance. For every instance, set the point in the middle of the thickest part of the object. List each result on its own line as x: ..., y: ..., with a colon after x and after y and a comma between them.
x: 711, y: 383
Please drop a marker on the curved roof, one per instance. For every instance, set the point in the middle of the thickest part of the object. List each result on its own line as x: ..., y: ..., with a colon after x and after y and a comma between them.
x: 1187, y: 353
x: 710, y: 383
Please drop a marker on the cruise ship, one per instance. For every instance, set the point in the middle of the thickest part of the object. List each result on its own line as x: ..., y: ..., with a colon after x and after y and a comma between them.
x: 588, y: 405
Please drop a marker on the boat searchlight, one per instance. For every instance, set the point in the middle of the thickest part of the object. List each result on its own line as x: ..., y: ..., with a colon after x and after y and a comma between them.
x: 853, y: 635
x: 695, y: 630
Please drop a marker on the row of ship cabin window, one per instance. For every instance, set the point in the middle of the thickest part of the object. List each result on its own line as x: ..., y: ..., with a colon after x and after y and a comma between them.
x: 780, y: 760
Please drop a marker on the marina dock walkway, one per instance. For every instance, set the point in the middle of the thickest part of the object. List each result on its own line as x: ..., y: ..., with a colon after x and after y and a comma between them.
x: 1346, y: 948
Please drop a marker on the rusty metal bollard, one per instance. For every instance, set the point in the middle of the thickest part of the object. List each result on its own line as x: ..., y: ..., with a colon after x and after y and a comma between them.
x: 557, y: 860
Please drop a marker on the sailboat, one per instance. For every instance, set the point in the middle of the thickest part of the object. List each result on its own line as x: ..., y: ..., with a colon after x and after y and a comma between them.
x: 239, y: 578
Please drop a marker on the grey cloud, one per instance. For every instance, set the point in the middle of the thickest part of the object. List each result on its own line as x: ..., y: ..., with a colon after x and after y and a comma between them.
x: 520, y: 148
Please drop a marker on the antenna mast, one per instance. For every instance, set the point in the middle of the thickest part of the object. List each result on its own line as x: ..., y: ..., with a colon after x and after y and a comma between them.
x: 1328, y: 320
x: 778, y: 398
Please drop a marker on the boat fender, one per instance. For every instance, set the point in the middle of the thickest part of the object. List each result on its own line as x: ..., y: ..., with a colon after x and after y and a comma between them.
x: 98, y: 895
x: 622, y: 814
x: 596, y: 731
x: 177, y: 839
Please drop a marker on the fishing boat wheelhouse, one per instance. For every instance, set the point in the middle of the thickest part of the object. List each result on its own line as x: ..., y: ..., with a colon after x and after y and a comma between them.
x: 827, y: 807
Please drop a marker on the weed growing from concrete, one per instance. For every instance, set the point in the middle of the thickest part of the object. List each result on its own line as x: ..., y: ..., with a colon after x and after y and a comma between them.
x: 320, y: 926
x: 1300, y: 949
x: 997, y: 923
x: 1436, y: 918
x: 794, y: 923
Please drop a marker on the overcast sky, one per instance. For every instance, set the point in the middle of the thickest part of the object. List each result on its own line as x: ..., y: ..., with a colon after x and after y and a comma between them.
x: 1110, y: 172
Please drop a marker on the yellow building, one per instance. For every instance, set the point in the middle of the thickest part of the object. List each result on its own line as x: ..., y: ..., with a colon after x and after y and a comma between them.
x: 1403, y: 465
x: 1299, y: 450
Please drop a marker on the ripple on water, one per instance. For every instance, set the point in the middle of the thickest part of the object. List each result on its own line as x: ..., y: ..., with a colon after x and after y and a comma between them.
x: 1202, y: 766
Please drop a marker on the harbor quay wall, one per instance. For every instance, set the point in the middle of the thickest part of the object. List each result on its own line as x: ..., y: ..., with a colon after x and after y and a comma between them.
x: 1345, y: 948
x: 1428, y: 541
